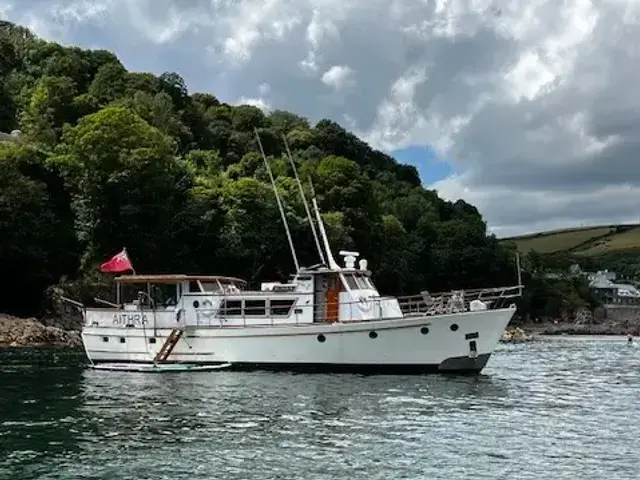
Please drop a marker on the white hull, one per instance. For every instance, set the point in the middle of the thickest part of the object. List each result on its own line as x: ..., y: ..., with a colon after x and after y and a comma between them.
x: 399, y: 344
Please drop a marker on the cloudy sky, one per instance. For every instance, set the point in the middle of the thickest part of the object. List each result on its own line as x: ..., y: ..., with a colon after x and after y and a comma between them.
x: 526, y: 108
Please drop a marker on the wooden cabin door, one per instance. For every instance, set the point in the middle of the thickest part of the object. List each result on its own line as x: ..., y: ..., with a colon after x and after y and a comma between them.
x: 333, y: 299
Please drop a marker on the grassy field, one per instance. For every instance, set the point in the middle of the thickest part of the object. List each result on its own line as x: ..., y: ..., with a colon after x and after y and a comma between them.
x: 619, y: 242
x: 584, y: 241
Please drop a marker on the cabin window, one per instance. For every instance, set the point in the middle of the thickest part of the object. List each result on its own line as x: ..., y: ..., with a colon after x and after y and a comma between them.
x: 211, y: 286
x: 231, y: 308
x: 357, y: 282
x: 284, y: 288
x: 194, y: 287
x: 253, y: 308
x: 281, y: 308
x: 351, y: 281
x: 230, y: 288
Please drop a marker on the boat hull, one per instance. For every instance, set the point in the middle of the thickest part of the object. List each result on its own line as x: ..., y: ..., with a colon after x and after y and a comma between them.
x: 455, y: 343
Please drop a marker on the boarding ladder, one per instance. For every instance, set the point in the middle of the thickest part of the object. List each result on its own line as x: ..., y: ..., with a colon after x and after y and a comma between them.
x: 168, y: 345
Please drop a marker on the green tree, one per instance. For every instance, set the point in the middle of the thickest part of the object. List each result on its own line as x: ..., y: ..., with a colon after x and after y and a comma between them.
x: 50, y: 107
x: 33, y: 246
x: 126, y: 185
x: 109, y: 83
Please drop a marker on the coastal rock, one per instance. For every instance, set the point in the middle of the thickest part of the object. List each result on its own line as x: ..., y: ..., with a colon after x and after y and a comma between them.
x: 61, y: 314
x: 29, y: 332
x: 583, y: 317
x: 611, y: 328
x: 515, y: 335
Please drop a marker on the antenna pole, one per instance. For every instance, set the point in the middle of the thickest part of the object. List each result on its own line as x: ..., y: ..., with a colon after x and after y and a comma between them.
x: 284, y: 218
x: 332, y: 263
x: 304, y: 200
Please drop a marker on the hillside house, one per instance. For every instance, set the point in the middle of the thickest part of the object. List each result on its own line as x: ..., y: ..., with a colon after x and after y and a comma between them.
x: 602, y: 274
x: 612, y: 293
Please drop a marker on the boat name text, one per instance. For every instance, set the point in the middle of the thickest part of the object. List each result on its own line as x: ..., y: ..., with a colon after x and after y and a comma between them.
x: 130, y: 319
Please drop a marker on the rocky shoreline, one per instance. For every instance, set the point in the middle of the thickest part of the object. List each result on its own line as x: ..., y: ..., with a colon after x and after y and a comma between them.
x: 614, y: 329
x: 30, y: 332
x: 515, y: 335
x: 528, y: 333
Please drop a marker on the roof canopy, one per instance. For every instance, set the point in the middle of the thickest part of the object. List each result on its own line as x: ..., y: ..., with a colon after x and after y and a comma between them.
x: 176, y: 279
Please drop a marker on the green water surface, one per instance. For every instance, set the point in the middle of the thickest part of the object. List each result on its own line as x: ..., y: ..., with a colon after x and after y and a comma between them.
x: 560, y: 409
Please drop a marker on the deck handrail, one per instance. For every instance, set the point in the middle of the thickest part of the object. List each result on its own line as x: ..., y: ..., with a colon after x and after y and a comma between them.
x: 423, y: 303
x: 483, y: 294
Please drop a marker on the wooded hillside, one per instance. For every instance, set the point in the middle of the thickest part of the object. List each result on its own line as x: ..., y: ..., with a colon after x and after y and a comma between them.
x: 132, y: 159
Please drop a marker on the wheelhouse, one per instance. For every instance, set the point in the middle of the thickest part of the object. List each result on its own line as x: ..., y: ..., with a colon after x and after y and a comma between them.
x: 168, y: 289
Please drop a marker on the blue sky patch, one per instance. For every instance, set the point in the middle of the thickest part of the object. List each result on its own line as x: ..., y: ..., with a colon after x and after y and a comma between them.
x: 430, y: 167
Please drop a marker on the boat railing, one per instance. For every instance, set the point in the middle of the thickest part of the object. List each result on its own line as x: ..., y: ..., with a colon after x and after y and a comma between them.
x: 425, y: 303
x: 457, y: 301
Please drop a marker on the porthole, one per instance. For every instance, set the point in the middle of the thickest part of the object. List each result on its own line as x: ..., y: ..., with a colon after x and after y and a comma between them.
x: 454, y: 327
x: 122, y: 340
x: 424, y: 330
x: 152, y: 340
x: 105, y: 339
x: 373, y: 334
x: 196, y: 304
x: 321, y: 338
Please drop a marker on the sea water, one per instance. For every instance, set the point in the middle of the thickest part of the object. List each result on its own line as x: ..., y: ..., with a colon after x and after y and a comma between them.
x: 563, y: 408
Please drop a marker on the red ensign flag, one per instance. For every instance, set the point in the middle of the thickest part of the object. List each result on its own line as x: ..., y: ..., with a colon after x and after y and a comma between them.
x: 118, y: 263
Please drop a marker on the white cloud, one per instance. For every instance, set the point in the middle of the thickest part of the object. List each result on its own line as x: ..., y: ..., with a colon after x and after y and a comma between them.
x: 309, y: 63
x: 259, y: 102
x: 533, y: 101
x: 338, y: 77
x: 534, y: 210
x: 5, y: 8
x: 165, y: 23
x: 251, y: 23
x: 54, y: 20
x: 398, y: 112
x: 264, y: 88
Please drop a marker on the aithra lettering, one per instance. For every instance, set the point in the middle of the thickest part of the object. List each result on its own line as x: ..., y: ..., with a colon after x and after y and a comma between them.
x: 130, y: 319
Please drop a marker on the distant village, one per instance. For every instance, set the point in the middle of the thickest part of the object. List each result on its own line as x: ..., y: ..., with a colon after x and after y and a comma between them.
x: 606, y: 286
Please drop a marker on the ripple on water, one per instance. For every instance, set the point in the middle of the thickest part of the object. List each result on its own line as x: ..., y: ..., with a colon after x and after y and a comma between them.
x: 555, y: 409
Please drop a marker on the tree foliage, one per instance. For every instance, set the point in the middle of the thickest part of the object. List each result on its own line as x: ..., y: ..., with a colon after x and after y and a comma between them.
x: 132, y: 159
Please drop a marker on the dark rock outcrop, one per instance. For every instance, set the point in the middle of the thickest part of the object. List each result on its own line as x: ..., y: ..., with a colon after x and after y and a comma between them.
x: 515, y: 335
x: 29, y: 332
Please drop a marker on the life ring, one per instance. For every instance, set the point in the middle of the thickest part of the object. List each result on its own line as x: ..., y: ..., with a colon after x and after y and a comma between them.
x: 207, y: 311
x: 364, y: 304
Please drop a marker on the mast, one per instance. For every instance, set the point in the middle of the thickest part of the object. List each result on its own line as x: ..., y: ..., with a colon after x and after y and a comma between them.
x: 332, y: 263
x: 275, y: 190
x: 304, y: 201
